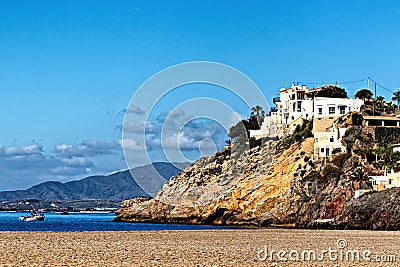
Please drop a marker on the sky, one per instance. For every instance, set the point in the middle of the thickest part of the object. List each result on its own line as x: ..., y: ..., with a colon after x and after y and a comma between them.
x: 69, y: 69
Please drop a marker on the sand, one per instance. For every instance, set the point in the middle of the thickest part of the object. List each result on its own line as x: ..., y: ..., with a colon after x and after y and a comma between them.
x: 195, y: 248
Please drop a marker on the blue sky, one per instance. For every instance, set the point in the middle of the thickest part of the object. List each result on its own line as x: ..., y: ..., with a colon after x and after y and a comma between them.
x: 68, y: 68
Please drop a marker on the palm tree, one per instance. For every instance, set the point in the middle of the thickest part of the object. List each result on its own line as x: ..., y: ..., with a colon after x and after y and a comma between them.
x: 259, y: 113
x: 360, y: 175
x: 390, y: 106
x: 396, y: 97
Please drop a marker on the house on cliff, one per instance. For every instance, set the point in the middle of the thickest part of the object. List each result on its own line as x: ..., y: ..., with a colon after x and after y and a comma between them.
x: 297, y: 103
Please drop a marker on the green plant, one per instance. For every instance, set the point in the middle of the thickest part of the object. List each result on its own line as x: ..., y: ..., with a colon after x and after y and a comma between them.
x: 356, y: 119
x: 364, y: 94
x: 332, y: 91
x: 387, y: 135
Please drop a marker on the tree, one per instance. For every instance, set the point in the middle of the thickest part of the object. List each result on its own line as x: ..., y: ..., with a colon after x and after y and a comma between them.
x: 332, y: 91
x: 258, y: 114
x: 396, y: 97
x: 238, y: 132
x: 364, y: 94
x: 361, y: 175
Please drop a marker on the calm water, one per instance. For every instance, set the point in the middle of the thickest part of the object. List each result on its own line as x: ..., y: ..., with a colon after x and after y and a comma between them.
x: 78, y: 222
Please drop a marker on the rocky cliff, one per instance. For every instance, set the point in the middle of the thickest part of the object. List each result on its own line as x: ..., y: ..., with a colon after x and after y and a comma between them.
x: 269, y: 185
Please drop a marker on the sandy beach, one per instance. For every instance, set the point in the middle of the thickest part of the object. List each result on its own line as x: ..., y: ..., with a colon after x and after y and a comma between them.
x: 200, y: 248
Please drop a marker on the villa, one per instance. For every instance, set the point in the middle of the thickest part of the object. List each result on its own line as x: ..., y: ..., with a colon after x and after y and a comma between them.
x: 297, y: 103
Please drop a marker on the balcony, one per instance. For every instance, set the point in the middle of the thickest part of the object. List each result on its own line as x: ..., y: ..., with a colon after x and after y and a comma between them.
x: 276, y: 99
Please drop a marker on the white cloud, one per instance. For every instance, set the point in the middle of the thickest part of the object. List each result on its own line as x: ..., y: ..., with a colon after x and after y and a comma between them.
x: 77, y: 162
x: 139, y: 127
x: 89, y: 147
x: 33, y: 149
x: 135, y: 110
x: 130, y: 144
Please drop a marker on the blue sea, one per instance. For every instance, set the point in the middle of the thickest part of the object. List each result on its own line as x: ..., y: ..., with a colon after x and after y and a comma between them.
x: 83, y: 222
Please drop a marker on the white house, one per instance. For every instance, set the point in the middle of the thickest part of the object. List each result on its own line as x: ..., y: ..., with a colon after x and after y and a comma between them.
x: 297, y: 103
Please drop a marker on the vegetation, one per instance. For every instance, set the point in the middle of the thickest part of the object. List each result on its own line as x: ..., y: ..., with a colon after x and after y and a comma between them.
x: 364, y: 94
x: 332, y: 91
x: 396, y: 97
x: 361, y: 174
x: 387, y: 135
x: 257, y: 115
x: 356, y: 119
x: 301, y: 132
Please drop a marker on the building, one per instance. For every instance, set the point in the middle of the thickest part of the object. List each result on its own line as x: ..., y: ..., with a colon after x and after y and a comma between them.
x: 392, y: 179
x: 327, y: 137
x: 297, y: 103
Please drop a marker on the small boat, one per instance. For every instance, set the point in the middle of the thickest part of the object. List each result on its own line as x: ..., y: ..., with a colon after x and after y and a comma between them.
x: 32, y: 217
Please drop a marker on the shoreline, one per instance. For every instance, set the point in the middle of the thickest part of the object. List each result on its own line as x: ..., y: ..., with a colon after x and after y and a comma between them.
x: 225, y: 247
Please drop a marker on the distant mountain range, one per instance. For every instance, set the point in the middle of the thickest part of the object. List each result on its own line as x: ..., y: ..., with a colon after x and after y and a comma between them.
x: 117, y: 186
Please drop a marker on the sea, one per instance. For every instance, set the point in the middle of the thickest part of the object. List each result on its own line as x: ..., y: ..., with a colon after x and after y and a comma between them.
x: 85, y: 222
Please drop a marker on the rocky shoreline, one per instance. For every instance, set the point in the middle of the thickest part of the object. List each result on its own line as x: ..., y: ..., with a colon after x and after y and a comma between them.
x: 269, y: 185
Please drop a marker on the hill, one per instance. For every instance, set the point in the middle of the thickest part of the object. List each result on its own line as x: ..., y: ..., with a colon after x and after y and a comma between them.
x: 117, y: 186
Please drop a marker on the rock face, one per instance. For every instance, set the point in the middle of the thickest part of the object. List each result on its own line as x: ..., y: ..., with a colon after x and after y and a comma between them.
x: 266, y: 186
x: 377, y: 211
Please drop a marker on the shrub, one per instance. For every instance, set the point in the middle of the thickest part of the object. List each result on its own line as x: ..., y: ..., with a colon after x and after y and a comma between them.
x: 356, y: 119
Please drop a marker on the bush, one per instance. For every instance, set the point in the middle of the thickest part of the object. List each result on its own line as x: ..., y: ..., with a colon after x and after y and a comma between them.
x: 387, y: 135
x: 340, y: 159
x: 356, y: 119
x: 254, y: 142
x: 331, y: 169
x: 306, y: 158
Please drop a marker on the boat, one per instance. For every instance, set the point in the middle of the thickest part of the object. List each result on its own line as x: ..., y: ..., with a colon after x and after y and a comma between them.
x: 32, y: 217
x: 64, y: 212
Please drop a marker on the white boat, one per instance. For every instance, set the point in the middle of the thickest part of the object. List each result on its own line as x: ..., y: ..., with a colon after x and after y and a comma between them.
x: 32, y: 217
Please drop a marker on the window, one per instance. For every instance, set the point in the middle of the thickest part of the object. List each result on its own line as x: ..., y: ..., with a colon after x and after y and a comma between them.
x: 342, y: 110
x: 322, y: 150
x: 331, y: 139
x: 319, y: 111
x: 294, y: 107
x: 332, y: 110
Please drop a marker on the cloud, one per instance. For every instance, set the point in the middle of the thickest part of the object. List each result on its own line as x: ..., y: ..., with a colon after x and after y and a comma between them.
x: 77, y: 162
x: 87, y: 148
x: 24, y: 166
x: 130, y: 144
x: 138, y: 127
x: 33, y: 149
x: 176, y: 116
x: 131, y: 109
x: 135, y: 110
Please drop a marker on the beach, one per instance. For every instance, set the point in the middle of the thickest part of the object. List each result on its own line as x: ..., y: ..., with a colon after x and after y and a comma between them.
x: 251, y: 247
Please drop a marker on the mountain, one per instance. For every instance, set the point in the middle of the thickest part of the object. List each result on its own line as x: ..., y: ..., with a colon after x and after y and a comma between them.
x: 119, y: 185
